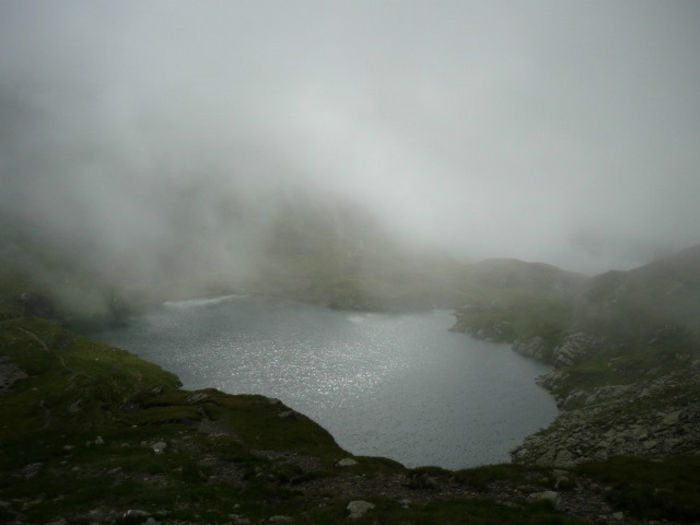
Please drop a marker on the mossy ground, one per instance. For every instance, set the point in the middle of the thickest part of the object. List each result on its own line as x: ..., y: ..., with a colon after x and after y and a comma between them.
x: 652, y: 489
x: 511, y: 315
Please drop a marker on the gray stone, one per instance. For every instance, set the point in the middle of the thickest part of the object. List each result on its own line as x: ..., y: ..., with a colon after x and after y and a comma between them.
x: 280, y: 518
x: 564, y: 458
x: 672, y: 418
x: 359, y: 508
x: 99, y: 441
x: 31, y: 470
x: 286, y: 413
x: 9, y: 374
x: 347, y: 462
x: 159, y: 447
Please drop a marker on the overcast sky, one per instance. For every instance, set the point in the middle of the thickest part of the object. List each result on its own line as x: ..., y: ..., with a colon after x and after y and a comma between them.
x: 565, y: 132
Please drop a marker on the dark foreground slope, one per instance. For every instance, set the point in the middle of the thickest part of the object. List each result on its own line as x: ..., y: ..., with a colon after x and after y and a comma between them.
x: 92, y: 434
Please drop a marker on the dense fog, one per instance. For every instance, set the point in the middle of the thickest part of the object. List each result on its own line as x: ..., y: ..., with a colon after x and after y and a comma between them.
x: 165, y: 140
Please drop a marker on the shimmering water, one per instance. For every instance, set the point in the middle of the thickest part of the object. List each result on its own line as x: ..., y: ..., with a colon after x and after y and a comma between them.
x: 400, y: 386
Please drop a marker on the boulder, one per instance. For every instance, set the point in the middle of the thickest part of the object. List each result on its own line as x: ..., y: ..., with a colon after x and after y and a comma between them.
x: 358, y: 508
x: 576, y: 346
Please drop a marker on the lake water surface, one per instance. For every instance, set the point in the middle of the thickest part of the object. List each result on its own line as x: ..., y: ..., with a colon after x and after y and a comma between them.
x: 395, y: 385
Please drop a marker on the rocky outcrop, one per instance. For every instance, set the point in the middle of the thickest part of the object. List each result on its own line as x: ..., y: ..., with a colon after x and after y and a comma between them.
x: 534, y: 348
x: 575, y: 347
x: 9, y: 374
x: 648, y: 419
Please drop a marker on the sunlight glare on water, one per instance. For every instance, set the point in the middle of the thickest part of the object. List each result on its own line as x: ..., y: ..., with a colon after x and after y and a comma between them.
x: 395, y: 385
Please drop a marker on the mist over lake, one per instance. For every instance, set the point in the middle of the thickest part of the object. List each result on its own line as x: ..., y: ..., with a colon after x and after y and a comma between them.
x: 395, y: 385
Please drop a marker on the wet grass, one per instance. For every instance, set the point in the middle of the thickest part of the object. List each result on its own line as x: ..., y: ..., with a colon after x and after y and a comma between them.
x: 652, y: 489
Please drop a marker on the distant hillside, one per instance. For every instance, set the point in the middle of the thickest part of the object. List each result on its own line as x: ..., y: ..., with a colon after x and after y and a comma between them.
x: 338, y: 255
x: 510, y: 300
x: 515, y: 274
x: 316, y: 248
x: 662, y: 292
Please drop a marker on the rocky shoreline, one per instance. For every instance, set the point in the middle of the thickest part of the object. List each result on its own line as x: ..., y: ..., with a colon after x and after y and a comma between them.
x: 655, y: 416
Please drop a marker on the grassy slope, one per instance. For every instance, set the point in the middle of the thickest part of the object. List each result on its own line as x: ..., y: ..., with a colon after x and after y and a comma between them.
x: 510, y: 300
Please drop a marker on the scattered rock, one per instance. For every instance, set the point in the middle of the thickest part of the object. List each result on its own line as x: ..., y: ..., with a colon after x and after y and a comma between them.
x: 347, y: 462
x: 619, y: 516
x: 159, y: 447
x: 286, y: 413
x: 359, y: 508
x: 31, y: 470
x: 280, y: 518
x: 9, y: 374
x: 99, y: 441
x: 594, y: 429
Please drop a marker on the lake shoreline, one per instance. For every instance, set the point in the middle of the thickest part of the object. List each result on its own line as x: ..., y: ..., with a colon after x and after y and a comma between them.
x: 374, y: 370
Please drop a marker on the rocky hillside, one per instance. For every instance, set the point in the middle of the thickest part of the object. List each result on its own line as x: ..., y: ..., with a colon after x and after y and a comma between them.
x: 626, y: 353
x: 92, y: 434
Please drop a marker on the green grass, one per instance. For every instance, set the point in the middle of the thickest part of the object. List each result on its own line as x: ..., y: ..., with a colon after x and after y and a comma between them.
x: 480, y: 478
x: 519, y: 315
x: 651, y: 489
